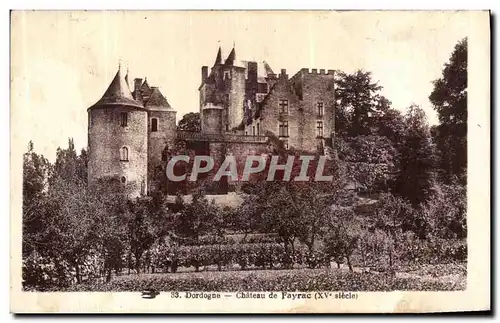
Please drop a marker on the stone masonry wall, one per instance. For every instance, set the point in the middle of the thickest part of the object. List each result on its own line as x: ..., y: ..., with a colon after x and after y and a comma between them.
x: 107, y: 137
x: 158, y: 140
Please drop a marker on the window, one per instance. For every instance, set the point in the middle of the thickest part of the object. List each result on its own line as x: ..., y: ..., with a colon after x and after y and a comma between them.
x: 123, y: 119
x: 319, y: 128
x: 227, y: 75
x: 227, y: 127
x: 246, y: 133
x: 258, y: 129
x: 283, y: 131
x: 285, y: 144
x: 123, y: 180
x: 124, y: 154
x: 320, y: 109
x: 283, y: 106
x: 253, y: 130
x: 154, y: 125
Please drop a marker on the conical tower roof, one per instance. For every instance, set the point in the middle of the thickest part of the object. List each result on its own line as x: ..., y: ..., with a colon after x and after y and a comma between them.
x: 118, y: 93
x: 218, y: 59
x: 231, y: 58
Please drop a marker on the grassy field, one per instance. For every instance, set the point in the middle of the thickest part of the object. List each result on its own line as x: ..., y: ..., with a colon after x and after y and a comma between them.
x: 429, y: 277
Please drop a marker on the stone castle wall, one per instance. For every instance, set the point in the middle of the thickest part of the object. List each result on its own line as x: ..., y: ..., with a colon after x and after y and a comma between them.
x: 106, y: 137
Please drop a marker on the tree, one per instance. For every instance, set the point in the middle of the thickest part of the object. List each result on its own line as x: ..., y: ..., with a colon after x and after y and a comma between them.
x: 358, y: 102
x: 69, y: 166
x: 392, y: 214
x: 140, y: 232
x: 418, y: 158
x: 370, y: 161
x: 446, y: 211
x: 36, y: 169
x: 449, y: 99
x: 190, y: 122
x: 196, y: 218
x: 343, y: 235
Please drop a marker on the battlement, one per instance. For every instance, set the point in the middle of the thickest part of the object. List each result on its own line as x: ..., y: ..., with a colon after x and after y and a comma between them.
x: 314, y: 71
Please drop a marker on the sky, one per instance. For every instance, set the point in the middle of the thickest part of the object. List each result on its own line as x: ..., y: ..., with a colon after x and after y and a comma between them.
x: 62, y: 62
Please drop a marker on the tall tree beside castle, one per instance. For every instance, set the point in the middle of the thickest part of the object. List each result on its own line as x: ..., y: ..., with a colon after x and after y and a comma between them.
x: 358, y: 100
x: 449, y: 98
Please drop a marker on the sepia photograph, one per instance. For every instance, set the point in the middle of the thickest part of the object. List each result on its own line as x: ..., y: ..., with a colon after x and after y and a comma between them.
x: 250, y: 156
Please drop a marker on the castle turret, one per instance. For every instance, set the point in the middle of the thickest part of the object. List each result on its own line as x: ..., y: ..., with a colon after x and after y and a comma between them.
x: 118, y: 139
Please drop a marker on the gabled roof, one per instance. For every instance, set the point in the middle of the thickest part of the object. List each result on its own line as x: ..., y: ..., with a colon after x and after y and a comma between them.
x: 118, y: 93
x: 157, y: 100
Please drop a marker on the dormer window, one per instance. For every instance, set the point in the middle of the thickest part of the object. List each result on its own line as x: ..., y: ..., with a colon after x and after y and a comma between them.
x: 154, y: 125
x: 123, y: 119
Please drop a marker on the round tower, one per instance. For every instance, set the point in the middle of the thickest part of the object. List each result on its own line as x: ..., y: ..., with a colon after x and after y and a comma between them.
x: 118, y: 139
x: 211, y: 119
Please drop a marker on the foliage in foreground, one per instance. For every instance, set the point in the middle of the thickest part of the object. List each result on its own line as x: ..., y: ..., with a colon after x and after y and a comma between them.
x: 297, y: 280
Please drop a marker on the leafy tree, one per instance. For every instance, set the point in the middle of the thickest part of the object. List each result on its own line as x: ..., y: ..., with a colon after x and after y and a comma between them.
x: 393, y: 216
x: 140, y: 232
x: 391, y: 124
x: 358, y: 102
x: 69, y: 166
x: 370, y: 161
x: 449, y: 99
x: 417, y: 160
x: 190, y: 122
x: 446, y: 211
x: 196, y: 218
x: 36, y: 169
x: 343, y: 235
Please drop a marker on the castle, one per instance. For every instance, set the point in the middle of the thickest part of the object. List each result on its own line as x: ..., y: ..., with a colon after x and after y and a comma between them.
x: 241, y: 104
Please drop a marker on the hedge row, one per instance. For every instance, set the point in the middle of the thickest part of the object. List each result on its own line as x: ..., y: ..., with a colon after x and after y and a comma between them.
x: 298, y: 280
x: 216, y: 240
x: 262, y: 255
x: 274, y: 255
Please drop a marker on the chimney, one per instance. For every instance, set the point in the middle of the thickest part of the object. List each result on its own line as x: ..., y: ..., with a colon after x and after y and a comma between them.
x: 204, y: 73
x: 283, y: 74
x: 137, y: 84
x: 252, y: 71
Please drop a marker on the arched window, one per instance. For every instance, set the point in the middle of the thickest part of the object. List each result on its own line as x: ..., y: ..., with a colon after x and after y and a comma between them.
x: 124, y: 180
x: 154, y: 125
x: 124, y: 154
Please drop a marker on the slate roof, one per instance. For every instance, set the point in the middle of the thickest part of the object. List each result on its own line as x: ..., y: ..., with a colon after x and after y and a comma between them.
x: 118, y: 93
x: 231, y: 58
x: 157, y: 100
